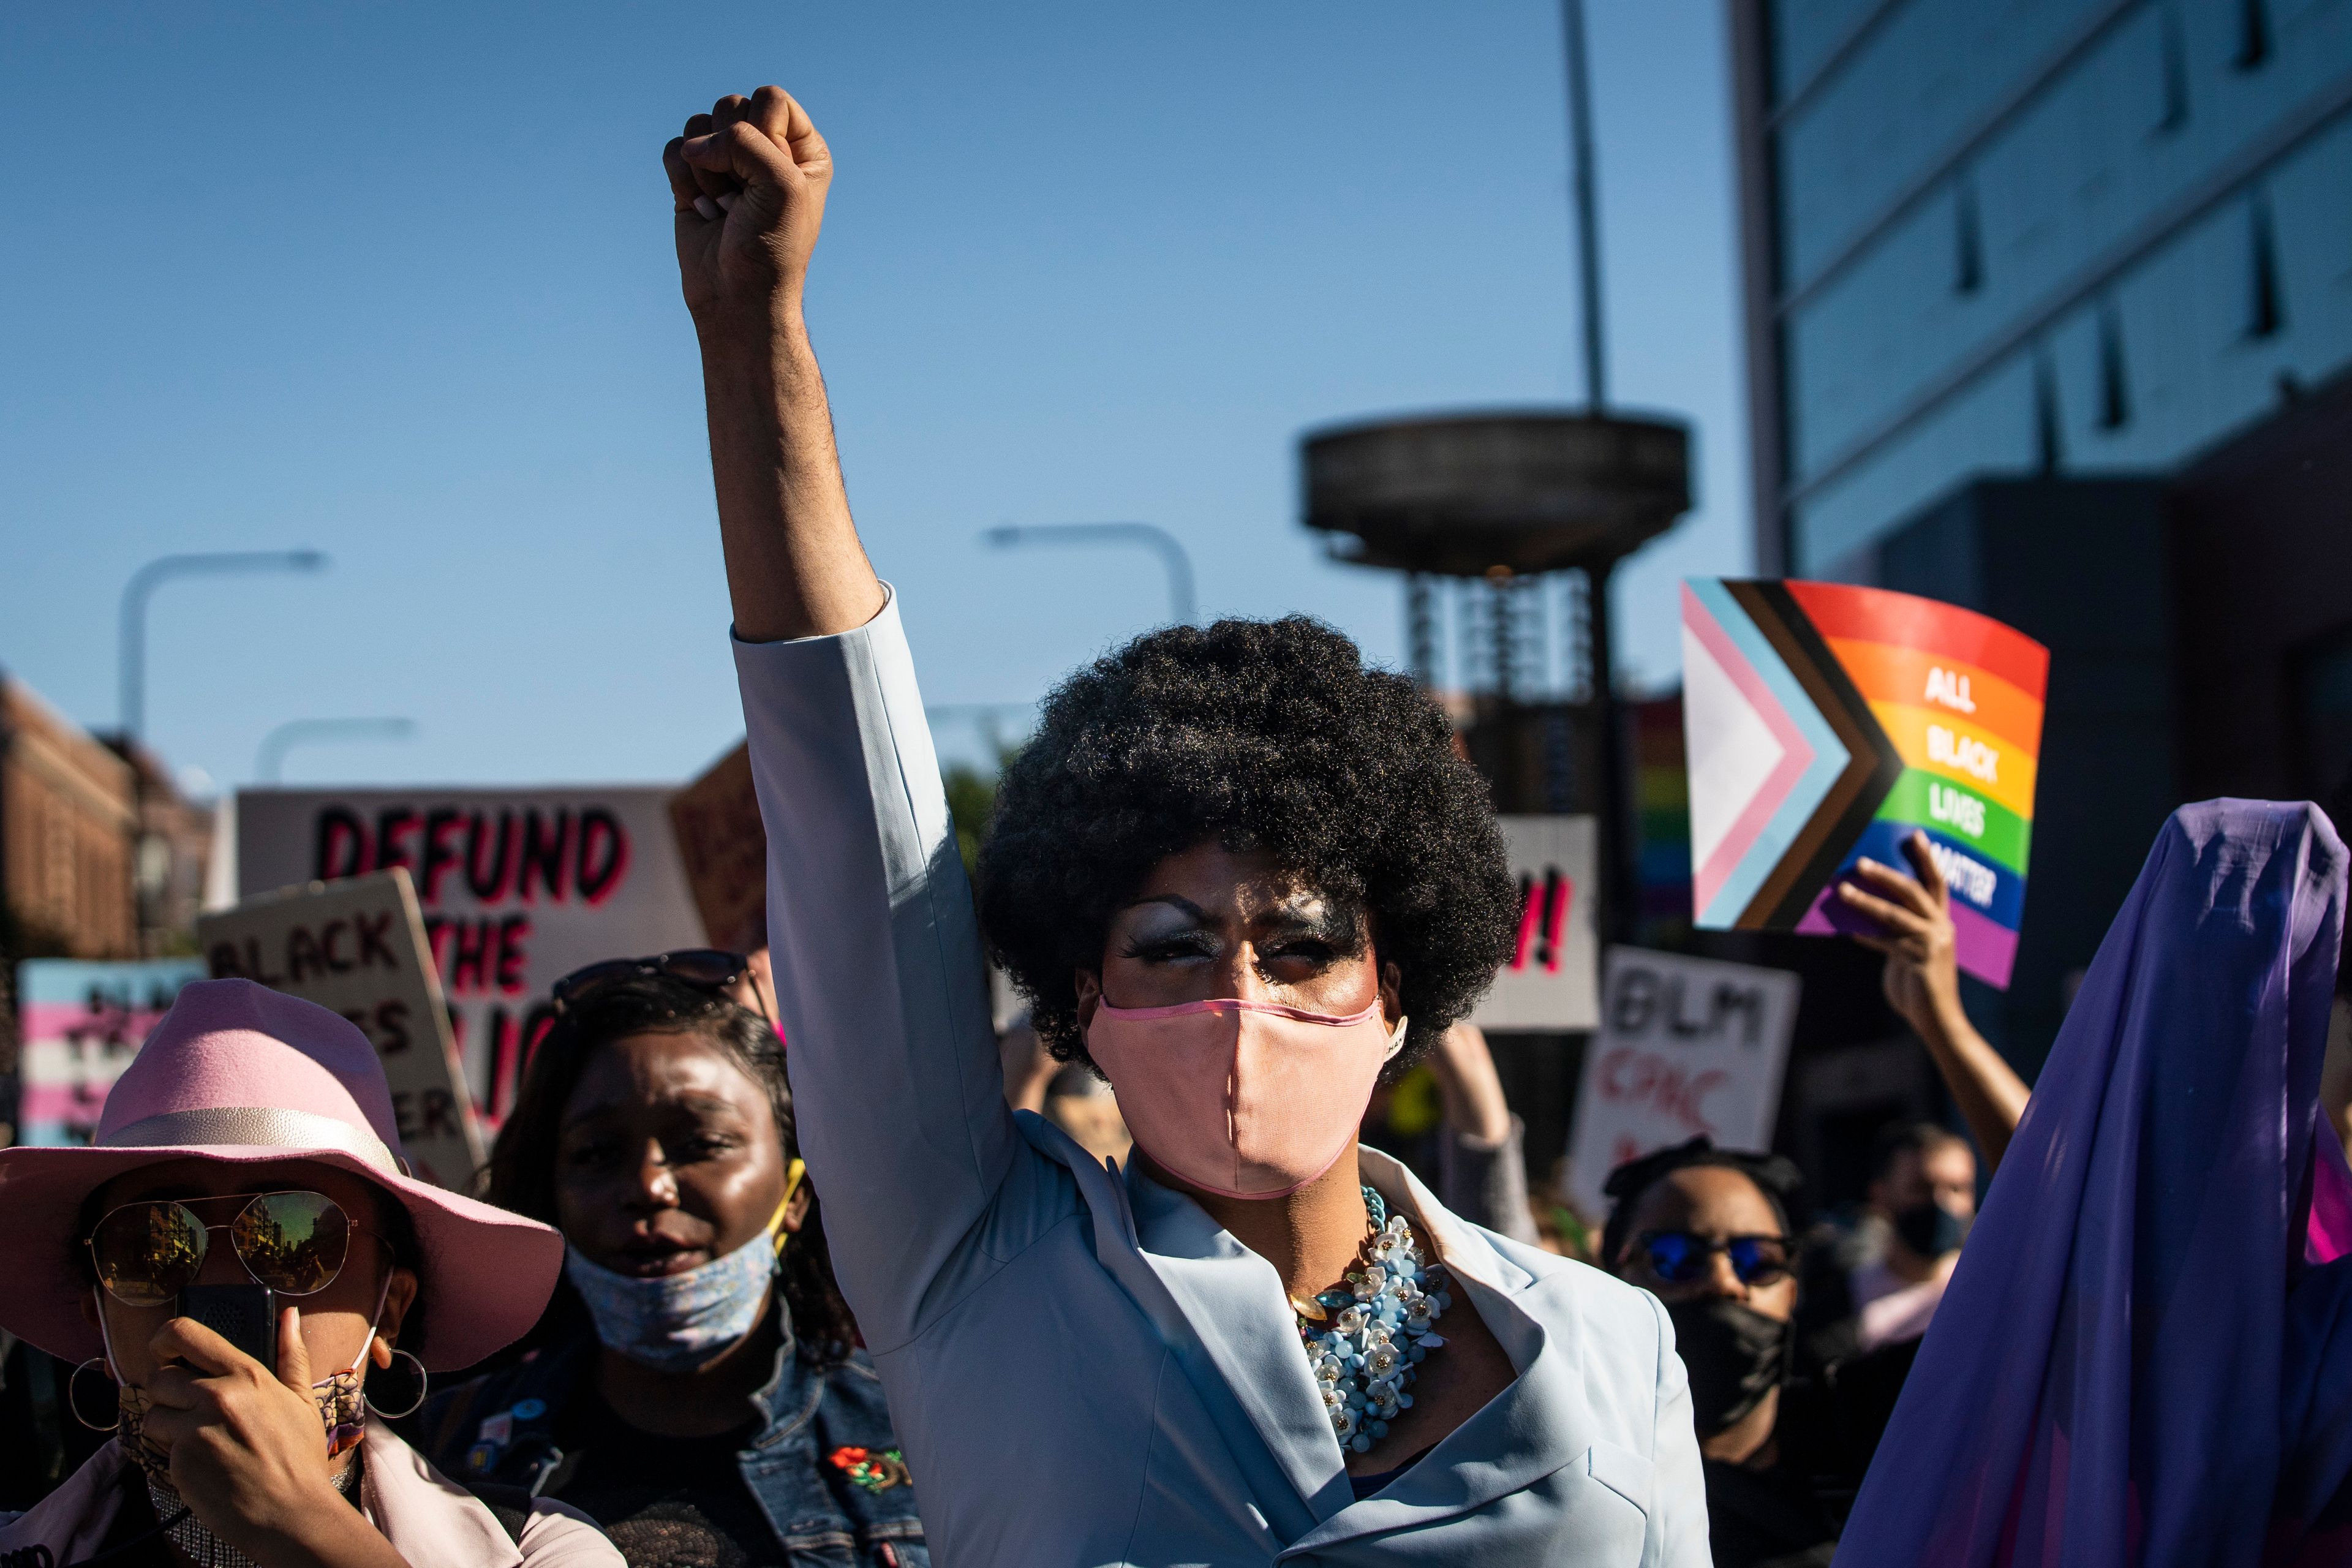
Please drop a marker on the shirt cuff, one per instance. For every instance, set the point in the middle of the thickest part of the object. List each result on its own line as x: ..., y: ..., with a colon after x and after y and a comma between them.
x: 890, y: 598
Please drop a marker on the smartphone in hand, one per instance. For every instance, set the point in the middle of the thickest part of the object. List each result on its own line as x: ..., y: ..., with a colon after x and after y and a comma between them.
x: 244, y: 1315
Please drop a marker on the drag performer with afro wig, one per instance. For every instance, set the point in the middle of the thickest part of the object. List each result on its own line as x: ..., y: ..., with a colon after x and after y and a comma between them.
x: 1240, y: 875
x: 1273, y: 739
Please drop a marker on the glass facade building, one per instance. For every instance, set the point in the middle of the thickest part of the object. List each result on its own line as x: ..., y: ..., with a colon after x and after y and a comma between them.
x: 2029, y: 238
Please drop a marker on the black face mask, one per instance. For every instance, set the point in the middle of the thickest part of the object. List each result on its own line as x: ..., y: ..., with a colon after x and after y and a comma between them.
x: 1735, y: 1355
x: 1930, y: 1229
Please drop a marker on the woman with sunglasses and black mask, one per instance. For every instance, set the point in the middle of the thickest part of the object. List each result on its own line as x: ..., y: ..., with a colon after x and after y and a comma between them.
x: 695, y: 1387
x: 1713, y: 1234
x: 1709, y: 1231
x: 243, y: 1269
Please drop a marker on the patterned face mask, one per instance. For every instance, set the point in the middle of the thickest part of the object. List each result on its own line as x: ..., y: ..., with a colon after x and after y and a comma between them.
x: 677, y: 1322
x: 342, y: 1404
x: 132, y: 1401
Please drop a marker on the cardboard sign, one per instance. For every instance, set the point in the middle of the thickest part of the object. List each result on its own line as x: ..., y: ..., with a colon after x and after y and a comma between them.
x: 518, y: 889
x: 1547, y: 983
x: 1826, y: 723
x: 358, y: 947
x: 724, y: 848
x: 81, y: 1022
x: 1686, y: 1046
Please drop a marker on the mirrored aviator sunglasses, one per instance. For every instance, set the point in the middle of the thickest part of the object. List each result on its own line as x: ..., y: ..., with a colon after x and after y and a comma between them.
x: 704, y: 968
x: 1677, y: 1257
x: 294, y: 1242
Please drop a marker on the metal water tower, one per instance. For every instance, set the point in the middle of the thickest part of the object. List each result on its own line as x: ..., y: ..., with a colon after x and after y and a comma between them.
x: 1514, y: 521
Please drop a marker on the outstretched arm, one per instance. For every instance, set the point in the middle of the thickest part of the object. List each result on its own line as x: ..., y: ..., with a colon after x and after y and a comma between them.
x: 749, y: 180
x: 1922, y: 983
x: 880, y: 984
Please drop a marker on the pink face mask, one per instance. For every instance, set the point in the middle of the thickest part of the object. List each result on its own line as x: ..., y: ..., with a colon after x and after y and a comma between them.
x: 1245, y: 1100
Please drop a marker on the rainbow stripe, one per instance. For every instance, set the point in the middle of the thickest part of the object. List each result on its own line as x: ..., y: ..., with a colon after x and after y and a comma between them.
x: 1934, y: 715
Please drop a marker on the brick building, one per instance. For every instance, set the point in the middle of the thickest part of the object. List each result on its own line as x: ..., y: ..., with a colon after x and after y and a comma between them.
x: 67, y: 810
x: 173, y: 854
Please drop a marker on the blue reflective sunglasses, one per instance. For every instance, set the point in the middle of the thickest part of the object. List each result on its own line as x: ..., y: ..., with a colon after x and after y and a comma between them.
x: 1677, y: 1257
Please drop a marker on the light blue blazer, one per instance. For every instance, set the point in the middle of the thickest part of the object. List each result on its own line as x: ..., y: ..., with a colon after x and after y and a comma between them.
x: 1084, y: 1367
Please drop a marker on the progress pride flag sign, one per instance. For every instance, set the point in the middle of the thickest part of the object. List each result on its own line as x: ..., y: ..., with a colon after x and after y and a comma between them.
x: 518, y: 888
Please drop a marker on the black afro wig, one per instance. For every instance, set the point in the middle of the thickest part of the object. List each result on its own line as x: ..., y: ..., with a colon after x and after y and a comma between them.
x: 1268, y: 736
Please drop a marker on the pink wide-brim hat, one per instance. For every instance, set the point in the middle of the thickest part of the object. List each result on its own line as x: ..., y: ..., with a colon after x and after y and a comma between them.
x: 241, y: 1074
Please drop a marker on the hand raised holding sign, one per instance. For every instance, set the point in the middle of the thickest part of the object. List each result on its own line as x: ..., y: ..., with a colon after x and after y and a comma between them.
x: 1922, y: 977
x: 1922, y: 980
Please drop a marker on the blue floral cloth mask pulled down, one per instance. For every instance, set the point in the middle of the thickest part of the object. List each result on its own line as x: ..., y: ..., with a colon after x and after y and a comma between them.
x: 677, y: 1322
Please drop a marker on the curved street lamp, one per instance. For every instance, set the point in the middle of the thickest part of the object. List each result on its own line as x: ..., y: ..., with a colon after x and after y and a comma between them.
x: 1151, y: 536
x: 133, y: 710
x: 269, y: 759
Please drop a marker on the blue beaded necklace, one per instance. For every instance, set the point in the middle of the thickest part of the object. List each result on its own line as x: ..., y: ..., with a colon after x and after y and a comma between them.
x: 1366, y: 1338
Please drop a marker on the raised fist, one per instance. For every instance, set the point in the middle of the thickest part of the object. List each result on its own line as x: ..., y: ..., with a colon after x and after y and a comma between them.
x: 749, y: 179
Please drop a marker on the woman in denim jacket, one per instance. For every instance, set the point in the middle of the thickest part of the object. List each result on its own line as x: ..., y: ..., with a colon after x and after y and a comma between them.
x: 696, y: 1388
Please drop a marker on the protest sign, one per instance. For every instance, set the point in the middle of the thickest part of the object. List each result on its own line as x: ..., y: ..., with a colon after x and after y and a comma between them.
x: 358, y: 947
x: 1826, y: 723
x: 1686, y: 1046
x: 518, y: 888
x: 80, y: 1024
x: 724, y: 848
x: 1547, y: 983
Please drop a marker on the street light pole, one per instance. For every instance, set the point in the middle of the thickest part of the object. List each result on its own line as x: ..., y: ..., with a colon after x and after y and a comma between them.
x: 1170, y: 548
x: 133, y: 712
x: 1588, y: 216
x: 269, y: 760
x: 1620, y: 871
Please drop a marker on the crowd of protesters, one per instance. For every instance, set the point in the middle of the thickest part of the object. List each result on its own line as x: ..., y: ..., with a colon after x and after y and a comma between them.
x: 1125, y: 1283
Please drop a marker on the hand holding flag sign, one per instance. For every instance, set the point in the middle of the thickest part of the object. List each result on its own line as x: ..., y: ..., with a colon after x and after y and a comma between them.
x: 1825, y: 724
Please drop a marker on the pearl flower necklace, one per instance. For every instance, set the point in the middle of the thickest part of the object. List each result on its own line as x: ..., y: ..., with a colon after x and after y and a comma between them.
x: 1366, y: 1338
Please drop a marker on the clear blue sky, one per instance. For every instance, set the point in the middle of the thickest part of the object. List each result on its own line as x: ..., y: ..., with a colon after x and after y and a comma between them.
x: 395, y: 281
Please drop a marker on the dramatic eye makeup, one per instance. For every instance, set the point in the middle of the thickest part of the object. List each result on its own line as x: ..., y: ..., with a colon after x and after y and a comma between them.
x: 1171, y: 946
x: 1311, y: 922
x: 1168, y: 930
x: 1164, y: 930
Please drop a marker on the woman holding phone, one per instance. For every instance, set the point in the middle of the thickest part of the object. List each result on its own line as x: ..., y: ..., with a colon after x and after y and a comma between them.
x: 242, y: 1269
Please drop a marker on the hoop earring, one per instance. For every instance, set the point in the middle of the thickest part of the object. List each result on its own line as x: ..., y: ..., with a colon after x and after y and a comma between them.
x: 74, y: 1404
x: 423, y: 1381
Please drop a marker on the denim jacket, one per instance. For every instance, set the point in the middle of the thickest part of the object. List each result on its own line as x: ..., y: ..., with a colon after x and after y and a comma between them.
x: 825, y: 1468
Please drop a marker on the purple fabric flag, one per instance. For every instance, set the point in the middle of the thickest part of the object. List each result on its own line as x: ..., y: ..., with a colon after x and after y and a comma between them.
x: 2103, y: 1386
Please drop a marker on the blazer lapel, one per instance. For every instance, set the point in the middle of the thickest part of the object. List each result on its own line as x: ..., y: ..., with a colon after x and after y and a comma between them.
x: 1187, y: 1300
x: 1519, y: 1436
x: 1220, y: 1310
x: 1522, y: 1434
x: 427, y: 1517
x: 1234, y: 1306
